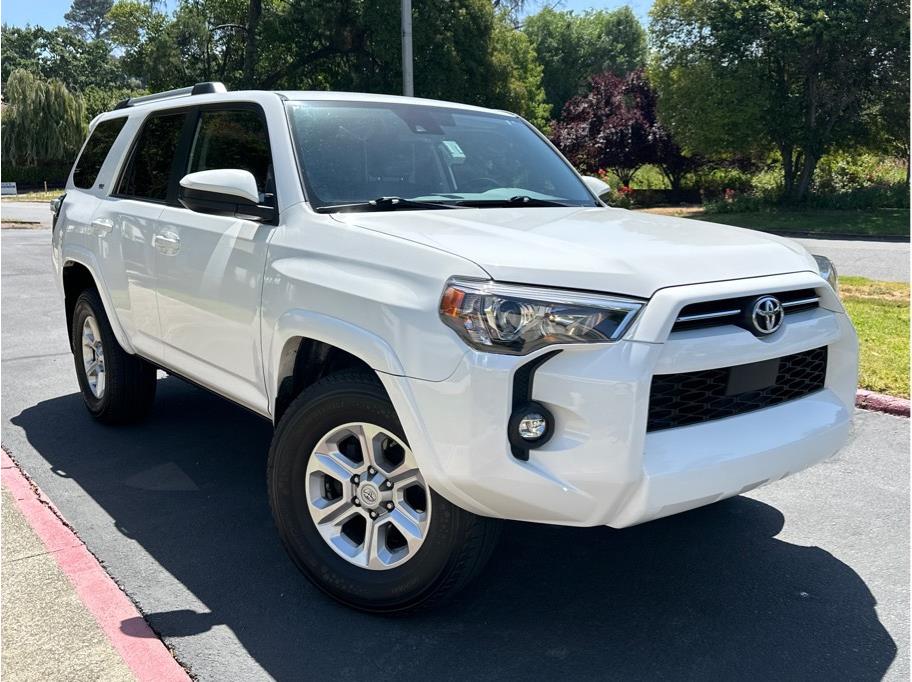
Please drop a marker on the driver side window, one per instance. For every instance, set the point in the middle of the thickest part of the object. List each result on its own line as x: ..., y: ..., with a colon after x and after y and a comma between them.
x: 233, y: 139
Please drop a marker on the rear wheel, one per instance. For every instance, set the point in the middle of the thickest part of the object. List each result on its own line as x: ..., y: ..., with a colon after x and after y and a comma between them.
x: 117, y: 387
x: 353, y: 509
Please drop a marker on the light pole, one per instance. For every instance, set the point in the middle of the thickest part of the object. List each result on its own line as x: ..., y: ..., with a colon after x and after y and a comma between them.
x: 408, y: 86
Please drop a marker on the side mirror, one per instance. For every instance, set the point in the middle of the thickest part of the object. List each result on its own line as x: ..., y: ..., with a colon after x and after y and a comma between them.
x: 596, y: 185
x: 226, y: 191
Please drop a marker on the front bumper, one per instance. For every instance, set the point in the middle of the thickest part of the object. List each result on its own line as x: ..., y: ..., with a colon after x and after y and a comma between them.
x: 602, y: 467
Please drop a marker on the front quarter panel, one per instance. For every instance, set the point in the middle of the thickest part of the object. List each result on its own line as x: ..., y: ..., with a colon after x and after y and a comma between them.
x: 371, y: 294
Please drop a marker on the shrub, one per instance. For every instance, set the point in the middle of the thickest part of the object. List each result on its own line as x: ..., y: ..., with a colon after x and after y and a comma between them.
x: 713, y: 183
x: 620, y: 196
x: 848, y: 171
x: 874, y: 196
x: 744, y: 203
x: 28, y: 177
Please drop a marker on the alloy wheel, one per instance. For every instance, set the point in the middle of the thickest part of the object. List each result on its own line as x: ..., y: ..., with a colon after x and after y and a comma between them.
x: 366, y: 496
x: 93, y: 356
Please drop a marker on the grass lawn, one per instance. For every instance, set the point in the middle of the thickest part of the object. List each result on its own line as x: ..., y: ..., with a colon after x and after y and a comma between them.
x: 880, y: 312
x: 35, y: 196
x: 879, y: 222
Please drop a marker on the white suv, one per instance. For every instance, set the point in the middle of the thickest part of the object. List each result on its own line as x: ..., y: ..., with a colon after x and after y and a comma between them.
x: 444, y: 322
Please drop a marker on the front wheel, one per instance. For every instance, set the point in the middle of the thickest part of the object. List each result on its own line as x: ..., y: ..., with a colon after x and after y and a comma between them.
x: 353, y: 509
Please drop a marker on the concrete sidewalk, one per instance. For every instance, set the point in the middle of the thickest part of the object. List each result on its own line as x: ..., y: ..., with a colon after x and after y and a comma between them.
x: 48, y: 634
x: 63, y: 617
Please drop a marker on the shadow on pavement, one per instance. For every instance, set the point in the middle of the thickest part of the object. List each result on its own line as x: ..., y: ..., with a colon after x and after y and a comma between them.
x: 707, y: 594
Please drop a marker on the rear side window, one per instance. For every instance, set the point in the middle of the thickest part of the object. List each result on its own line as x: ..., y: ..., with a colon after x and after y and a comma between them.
x: 149, y: 170
x: 233, y: 139
x: 96, y: 151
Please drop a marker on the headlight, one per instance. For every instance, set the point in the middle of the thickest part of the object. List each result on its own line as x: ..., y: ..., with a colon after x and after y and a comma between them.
x: 828, y: 271
x: 512, y: 319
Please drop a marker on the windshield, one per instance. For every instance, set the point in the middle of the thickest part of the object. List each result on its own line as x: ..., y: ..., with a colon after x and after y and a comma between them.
x: 352, y: 153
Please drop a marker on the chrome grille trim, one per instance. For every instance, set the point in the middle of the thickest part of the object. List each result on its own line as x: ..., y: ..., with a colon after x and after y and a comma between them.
x: 723, y: 311
x: 708, y: 316
x: 803, y: 301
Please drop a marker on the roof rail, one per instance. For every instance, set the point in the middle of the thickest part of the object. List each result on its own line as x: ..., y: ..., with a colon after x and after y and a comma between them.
x: 198, y: 89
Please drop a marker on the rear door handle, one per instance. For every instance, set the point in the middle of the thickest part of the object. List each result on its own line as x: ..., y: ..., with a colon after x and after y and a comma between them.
x: 102, y: 227
x: 167, y: 243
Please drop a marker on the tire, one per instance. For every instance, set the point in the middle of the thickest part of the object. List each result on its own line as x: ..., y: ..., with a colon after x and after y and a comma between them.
x: 456, y: 544
x: 124, y: 390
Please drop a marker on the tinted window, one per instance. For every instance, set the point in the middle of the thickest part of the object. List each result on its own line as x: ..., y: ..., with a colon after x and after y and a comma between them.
x: 232, y: 139
x: 150, y: 166
x: 96, y: 150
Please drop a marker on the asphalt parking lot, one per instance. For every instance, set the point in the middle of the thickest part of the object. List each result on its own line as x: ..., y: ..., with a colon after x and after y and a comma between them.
x: 806, y: 579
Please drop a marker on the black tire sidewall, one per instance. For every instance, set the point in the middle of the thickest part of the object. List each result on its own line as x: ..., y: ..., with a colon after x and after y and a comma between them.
x: 377, y: 590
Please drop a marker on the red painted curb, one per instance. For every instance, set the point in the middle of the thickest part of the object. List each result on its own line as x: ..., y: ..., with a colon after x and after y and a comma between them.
x: 868, y: 400
x: 126, y: 629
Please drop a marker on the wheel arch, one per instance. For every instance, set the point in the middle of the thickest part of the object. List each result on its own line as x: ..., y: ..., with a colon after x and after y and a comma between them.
x: 77, y: 275
x: 307, y: 346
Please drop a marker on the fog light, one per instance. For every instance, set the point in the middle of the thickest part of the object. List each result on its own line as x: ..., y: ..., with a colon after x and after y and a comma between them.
x: 532, y: 426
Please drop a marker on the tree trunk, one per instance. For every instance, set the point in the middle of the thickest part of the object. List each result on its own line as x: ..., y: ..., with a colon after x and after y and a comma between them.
x: 811, y: 139
x: 673, y: 178
x: 807, y: 174
x: 788, y: 170
x: 254, y: 12
x: 908, y: 167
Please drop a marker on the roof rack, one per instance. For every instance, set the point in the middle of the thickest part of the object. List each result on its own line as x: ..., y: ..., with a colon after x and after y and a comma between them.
x: 198, y: 89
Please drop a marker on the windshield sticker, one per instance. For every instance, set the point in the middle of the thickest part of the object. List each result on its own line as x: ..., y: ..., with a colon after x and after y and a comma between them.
x: 454, y: 150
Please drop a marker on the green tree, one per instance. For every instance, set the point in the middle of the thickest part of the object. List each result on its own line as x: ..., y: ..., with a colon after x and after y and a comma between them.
x: 890, y: 112
x: 99, y: 100
x: 518, y: 75
x: 801, y: 78
x: 42, y: 121
x: 162, y: 52
x: 573, y: 47
x: 88, y: 18
x: 464, y: 50
x: 60, y: 54
x: 19, y: 49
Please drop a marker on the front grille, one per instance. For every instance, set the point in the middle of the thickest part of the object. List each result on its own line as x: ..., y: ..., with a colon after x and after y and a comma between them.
x: 695, y: 397
x: 735, y: 310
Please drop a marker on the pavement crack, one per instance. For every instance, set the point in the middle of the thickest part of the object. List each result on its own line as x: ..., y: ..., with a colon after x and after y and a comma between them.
x: 49, y: 552
x: 35, y: 357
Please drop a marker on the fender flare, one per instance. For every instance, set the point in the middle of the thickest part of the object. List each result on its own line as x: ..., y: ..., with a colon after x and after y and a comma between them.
x: 87, y: 259
x: 298, y: 323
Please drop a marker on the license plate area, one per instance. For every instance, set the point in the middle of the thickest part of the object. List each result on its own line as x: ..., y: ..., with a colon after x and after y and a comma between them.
x: 752, y: 377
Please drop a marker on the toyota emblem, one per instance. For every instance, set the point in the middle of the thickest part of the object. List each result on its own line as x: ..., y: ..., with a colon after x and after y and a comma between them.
x: 767, y: 314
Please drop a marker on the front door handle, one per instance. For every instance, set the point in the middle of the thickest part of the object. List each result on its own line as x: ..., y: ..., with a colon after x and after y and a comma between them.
x: 102, y: 227
x: 167, y: 243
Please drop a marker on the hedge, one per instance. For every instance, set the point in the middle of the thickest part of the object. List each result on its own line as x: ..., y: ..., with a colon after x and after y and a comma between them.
x: 645, y: 198
x: 34, y: 177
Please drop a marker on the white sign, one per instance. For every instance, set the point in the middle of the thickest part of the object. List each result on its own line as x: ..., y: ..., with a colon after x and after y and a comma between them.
x: 8, y: 188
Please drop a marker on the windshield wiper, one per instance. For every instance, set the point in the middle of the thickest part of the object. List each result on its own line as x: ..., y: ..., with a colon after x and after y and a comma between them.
x: 520, y: 200
x: 384, y: 204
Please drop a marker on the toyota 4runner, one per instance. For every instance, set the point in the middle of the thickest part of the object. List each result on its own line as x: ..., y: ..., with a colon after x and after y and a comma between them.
x: 443, y: 321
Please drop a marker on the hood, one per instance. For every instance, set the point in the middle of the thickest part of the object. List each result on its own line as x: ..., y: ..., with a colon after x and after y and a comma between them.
x: 596, y: 249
